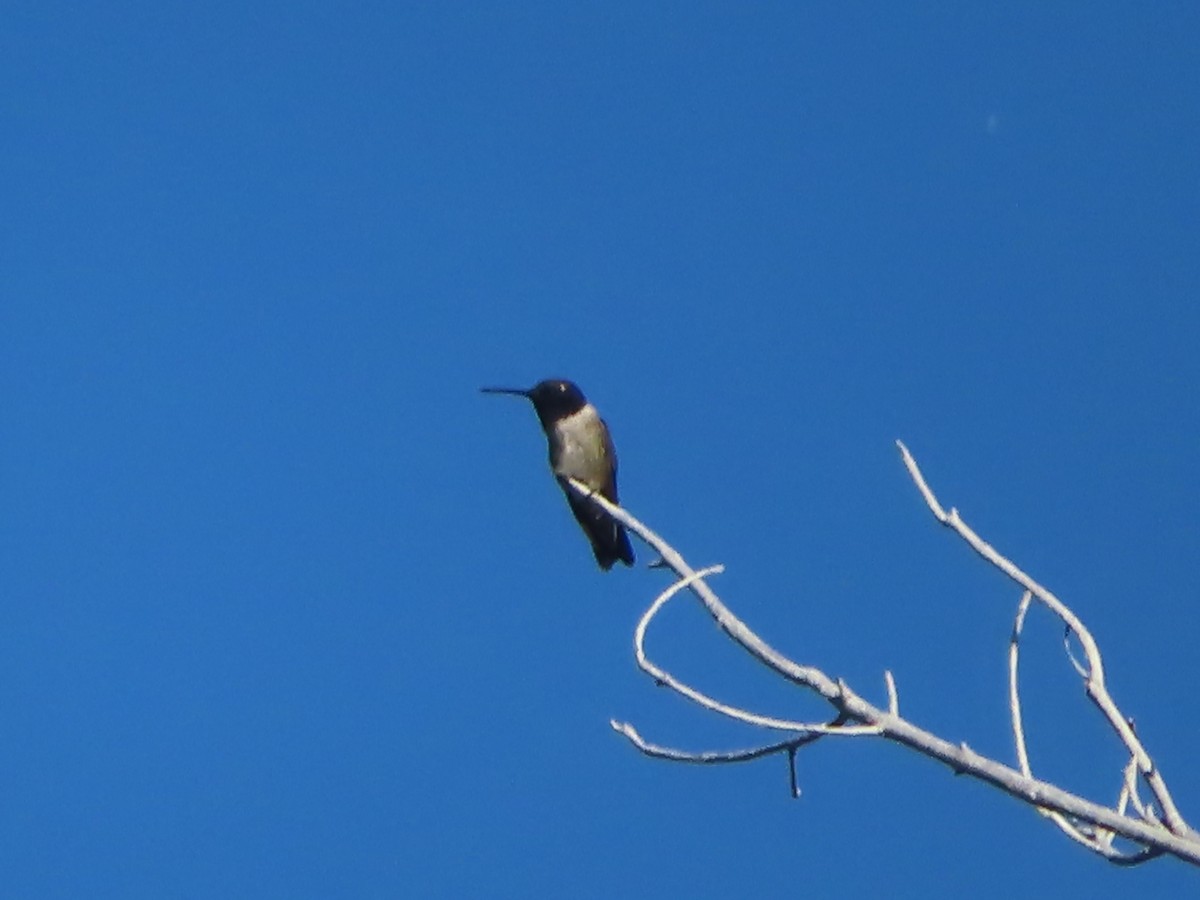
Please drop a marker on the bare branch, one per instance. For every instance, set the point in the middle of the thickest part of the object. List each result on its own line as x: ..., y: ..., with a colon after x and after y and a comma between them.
x: 1087, y: 822
x: 893, y: 699
x: 1093, y: 673
x: 708, y: 757
x: 665, y: 678
x: 1014, y: 694
x: 1100, y: 843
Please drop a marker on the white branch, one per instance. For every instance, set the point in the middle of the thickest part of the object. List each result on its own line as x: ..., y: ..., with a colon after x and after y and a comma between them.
x: 708, y: 757
x: 1093, y: 673
x: 665, y: 678
x: 893, y: 699
x: 1090, y: 823
x: 1014, y: 694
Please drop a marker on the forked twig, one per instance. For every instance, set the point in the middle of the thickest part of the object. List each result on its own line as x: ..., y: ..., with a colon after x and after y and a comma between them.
x: 1095, y: 684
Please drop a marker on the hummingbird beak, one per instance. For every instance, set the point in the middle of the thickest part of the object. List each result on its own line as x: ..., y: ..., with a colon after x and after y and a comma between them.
x: 515, y: 391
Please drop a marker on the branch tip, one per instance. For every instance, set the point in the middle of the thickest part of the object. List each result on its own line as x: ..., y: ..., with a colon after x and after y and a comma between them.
x: 893, y: 697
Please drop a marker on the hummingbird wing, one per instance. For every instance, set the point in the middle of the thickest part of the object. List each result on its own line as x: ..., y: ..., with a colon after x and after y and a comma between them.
x: 609, y: 488
x: 624, y: 552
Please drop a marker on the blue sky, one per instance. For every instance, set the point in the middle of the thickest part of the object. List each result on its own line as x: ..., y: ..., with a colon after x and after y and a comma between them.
x: 288, y: 609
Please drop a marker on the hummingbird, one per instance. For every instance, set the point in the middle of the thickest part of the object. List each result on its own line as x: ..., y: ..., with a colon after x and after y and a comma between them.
x: 580, y: 448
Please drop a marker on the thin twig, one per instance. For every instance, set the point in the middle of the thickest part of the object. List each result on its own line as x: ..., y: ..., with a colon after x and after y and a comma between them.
x: 1014, y: 693
x: 893, y: 698
x: 1069, y: 828
x: 706, y: 757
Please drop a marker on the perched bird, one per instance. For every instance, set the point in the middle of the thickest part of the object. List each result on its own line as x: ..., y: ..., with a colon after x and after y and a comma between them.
x: 580, y: 448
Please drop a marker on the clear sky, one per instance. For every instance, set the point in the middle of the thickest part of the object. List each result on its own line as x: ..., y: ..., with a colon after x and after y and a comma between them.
x: 289, y: 609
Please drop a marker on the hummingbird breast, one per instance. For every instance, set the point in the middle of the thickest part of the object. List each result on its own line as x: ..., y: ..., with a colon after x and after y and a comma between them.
x: 579, y: 449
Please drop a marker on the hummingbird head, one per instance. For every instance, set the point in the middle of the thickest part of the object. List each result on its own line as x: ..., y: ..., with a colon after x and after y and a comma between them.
x: 553, y: 399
